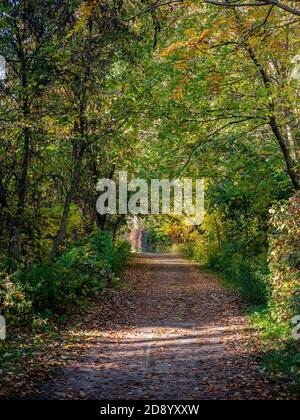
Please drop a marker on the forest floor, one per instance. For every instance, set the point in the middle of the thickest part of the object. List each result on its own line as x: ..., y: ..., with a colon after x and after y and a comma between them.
x: 172, y: 333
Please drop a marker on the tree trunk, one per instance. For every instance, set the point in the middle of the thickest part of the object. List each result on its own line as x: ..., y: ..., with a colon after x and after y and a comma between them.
x: 3, y: 213
x: 116, y: 227
x: 69, y: 198
x: 17, y: 223
x: 291, y: 164
x: 218, y: 235
x: 3, y: 200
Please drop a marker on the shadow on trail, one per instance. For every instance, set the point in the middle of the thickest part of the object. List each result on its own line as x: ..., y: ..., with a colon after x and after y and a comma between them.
x: 175, y: 334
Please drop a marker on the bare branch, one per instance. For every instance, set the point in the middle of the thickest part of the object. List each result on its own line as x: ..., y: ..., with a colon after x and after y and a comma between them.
x: 259, y: 3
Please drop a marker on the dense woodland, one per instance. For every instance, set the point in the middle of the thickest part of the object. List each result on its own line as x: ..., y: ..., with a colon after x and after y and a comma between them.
x: 195, y: 88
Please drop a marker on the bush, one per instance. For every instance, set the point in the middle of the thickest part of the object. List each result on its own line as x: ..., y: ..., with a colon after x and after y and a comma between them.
x: 245, y: 272
x: 155, y: 240
x: 187, y: 250
x: 14, y: 303
x: 285, y: 261
x: 121, y: 252
x: 247, y: 275
x: 84, y: 269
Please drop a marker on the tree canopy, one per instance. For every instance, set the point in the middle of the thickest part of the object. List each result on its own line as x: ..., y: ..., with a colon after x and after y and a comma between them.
x: 161, y: 89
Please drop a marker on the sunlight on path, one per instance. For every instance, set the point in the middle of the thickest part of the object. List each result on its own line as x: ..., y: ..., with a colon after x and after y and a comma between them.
x: 177, y: 335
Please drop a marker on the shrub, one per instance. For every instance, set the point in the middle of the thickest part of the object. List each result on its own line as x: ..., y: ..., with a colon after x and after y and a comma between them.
x: 246, y: 274
x: 121, y: 255
x: 14, y: 303
x: 84, y: 269
x: 285, y: 261
x: 155, y: 240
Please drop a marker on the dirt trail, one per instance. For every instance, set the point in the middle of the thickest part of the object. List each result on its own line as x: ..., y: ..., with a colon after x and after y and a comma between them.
x: 175, y: 334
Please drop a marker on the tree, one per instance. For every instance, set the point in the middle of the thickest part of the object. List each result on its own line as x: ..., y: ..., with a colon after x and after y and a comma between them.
x: 253, y: 88
x: 254, y: 3
x: 93, y: 49
x: 28, y: 33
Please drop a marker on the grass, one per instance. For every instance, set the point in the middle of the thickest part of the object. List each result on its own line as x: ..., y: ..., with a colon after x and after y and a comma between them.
x: 279, y: 352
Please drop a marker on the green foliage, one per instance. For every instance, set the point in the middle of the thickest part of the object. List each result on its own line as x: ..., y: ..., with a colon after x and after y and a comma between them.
x: 189, y: 250
x: 14, y: 303
x: 37, y: 243
x: 280, y: 354
x: 116, y: 254
x: 285, y: 261
x: 84, y: 269
x: 121, y: 252
x: 86, y: 96
x: 247, y: 276
x: 234, y: 239
x: 156, y: 240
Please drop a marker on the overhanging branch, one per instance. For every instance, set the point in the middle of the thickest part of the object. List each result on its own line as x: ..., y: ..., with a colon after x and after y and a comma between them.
x: 239, y: 3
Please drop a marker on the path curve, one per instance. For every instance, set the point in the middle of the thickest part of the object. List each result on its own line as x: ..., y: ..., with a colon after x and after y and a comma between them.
x: 176, y: 334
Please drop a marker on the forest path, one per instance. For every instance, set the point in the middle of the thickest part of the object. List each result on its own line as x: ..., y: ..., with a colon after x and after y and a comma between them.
x: 175, y: 333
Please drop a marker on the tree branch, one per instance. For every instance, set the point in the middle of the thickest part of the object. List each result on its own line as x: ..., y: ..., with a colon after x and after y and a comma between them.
x: 259, y: 3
